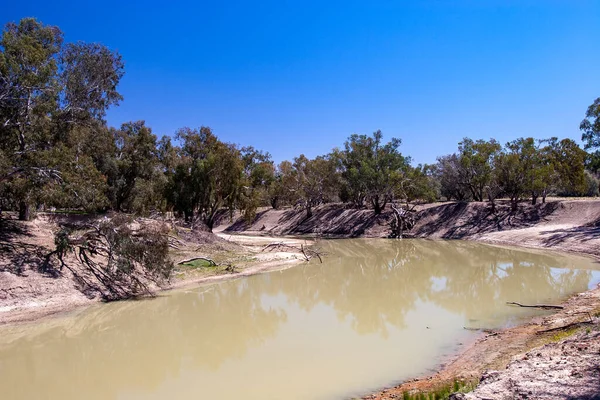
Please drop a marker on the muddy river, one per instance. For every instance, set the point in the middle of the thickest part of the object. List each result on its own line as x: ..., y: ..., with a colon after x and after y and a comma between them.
x: 374, y: 313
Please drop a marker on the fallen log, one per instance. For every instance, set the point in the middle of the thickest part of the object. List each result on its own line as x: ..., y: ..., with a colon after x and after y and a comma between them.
x: 542, y: 306
x: 559, y: 328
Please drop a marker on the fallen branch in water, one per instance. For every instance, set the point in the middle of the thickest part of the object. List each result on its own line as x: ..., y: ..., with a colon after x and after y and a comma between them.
x: 542, y: 306
x: 278, y: 244
x: 308, y: 254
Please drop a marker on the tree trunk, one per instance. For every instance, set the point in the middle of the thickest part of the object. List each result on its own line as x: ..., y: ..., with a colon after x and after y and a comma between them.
x: 275, y: 203
x: 544, y: 193
x: 473, y: 194
x: 376, y: 205
x: 492, y: 203
x: 24, y: 211
x: 533, y: 199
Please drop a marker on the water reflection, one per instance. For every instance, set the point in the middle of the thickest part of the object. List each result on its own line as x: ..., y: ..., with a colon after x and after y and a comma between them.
x: 384, y: 291
x: 377, y: 282
x: 138, y: 344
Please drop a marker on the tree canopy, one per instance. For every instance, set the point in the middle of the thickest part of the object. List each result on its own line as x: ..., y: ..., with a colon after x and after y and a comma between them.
x: 56, y: 150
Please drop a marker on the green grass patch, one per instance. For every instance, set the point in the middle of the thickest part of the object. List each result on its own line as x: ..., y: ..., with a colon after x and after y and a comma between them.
x: 558, y: 336
x: 195, y: 264
x: 443, y: 392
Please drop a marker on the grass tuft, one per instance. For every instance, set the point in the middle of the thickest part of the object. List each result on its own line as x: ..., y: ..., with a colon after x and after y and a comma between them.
x: 443, y: 392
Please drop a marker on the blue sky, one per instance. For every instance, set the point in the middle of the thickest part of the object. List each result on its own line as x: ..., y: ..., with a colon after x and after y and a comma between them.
x: 293, y: 77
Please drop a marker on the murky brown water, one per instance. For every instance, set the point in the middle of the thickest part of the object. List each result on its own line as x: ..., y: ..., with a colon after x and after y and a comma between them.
x: 375, y: 312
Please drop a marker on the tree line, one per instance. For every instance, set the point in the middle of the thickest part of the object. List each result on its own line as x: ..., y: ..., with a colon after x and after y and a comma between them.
x: 56, y: 150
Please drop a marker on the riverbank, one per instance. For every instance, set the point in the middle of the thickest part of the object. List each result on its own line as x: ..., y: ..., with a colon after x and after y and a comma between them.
x: 523, y: 362
x: 559, y: 224
x: 28, y: 294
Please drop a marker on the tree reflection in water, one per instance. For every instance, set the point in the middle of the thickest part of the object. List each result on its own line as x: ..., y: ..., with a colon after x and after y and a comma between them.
x: 376, y: 282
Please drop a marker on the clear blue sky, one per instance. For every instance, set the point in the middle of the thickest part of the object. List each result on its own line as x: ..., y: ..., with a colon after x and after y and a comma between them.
x: 300, y: 77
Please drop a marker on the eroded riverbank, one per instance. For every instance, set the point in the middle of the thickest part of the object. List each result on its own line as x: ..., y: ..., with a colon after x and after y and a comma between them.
x: 28, y: 294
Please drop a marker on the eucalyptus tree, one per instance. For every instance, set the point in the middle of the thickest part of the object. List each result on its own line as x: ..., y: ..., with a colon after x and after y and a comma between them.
x: 590, y: 126
x: 314, y: 181
x: 47, y: 92
x: 133, y: 178
x: 258, y: 177
x: 208, y: 177
x: 509, y: 174
x: 372, y: 171
x: 29, y: 93
x: 475, y: 165
x: 566, y: 161
x: 448, y: 174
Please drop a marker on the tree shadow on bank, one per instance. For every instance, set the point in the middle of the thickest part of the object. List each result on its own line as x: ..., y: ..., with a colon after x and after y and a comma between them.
x: 464, y: 219
x: 578, y: 234
x: 329, y: 219
x: 334, y: 219
x: 17, y: 256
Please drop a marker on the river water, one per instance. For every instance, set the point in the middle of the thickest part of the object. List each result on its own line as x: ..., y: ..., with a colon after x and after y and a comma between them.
x: 374, y: 313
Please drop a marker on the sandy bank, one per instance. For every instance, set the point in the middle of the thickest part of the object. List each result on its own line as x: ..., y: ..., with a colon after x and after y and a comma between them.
x: 27, y: 294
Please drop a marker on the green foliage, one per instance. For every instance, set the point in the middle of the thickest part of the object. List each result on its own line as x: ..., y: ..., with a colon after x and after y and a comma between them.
x: 208, y: 176
x: 475, y: 159
x: 372, y: 171
x: 133, y: 176
x: 592, y: 185
x: 258, y: 178
x: 448, y: 174
x: 48, y: 93
x: 56, y: 150
x: 590, y: 126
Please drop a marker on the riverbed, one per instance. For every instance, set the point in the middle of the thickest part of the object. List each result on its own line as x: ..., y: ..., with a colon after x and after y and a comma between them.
x: 375, y: 312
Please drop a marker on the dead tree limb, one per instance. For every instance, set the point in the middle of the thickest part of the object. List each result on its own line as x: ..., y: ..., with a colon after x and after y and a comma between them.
x: 542, y: 306
x: 404, y: 220
x: 559, y: 328
x: 280, y: 244
x: 309, y: 253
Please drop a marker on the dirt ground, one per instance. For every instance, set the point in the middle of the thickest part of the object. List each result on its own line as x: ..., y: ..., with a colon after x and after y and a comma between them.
x: 568, y: 369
